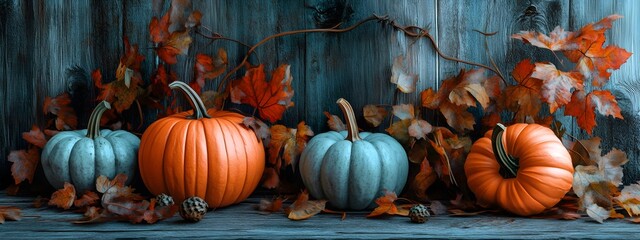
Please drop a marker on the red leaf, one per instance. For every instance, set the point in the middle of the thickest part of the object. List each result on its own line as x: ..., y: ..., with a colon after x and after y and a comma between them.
x: 271, y: 99
x: 170, y: 44
x: 524, y: 98
x: 209, y: 68
x: 24, y: 164
x: 63, y: 198
x: 583, y: 106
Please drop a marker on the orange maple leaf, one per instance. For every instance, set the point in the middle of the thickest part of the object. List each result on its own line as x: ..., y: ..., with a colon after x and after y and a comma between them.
x: 524, y: 98
x: 66, y: 118
x: 583, y: 107
x: 24, y: 164
x: 117, y: 92
x: 271, y: 99
x: 170, y: 44
x: 386, y: 205
x: 303, y: 208
x: 208, y: 68
x: 588, y: 51
x: 556, y: 40
x: 63, y: 198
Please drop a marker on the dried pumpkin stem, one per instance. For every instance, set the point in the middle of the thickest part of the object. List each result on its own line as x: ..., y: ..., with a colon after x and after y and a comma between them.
x: 508, y: 164
x: 93, y: 128
x: 350, y: 117
x: 199, y: 110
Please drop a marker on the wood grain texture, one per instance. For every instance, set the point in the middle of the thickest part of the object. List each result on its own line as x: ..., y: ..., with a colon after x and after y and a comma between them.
x: 42, y: 41
x: 243, y: 221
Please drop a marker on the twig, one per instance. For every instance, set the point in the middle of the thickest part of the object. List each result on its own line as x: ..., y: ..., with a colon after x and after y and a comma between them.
x: 282, y: 34
x: 486, y: 48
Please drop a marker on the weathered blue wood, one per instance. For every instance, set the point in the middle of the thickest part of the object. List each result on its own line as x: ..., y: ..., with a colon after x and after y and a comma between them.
x: 41, y: 40
x: 243, y: 221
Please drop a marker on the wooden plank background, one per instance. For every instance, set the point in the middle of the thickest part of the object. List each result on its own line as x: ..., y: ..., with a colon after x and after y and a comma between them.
x: 42, y: 41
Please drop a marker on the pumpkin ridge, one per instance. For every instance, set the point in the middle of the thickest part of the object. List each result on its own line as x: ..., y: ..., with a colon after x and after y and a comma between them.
x: 523, y: 190
x: 175, y: 154
x: 150, y: 155
x: 246, y: 160
x: 206, y: 161
x: 67, y: 155
x: 190, y: 152
x: 231, y: 128
x: 226, y: 152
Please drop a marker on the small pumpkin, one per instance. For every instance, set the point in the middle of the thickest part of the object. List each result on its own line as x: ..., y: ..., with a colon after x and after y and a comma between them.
x: 205, y: 153
x: 80, y: 157
x: 523, y: 168
x: 352, y: 169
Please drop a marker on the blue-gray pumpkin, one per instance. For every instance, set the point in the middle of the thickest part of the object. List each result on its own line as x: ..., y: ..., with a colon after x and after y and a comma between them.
x: 352, y: 169
x: 80, y: 157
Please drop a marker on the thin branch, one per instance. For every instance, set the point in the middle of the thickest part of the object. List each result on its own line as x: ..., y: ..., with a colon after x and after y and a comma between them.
x: 217, y: 36
x: 282, y: 34
x: 486, y: 48
x: 410, y: 31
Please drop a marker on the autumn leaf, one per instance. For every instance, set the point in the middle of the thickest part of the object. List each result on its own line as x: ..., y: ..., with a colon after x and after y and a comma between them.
x: 374, y: 115
x: 334, y: 122
x: 10, y: 213
x: 208, y: 68
x: 89, y: 198
x: 170, y: 44
x: 260, y: 128
x: 400, y: 130
x: 429, y: 99
x: 271, y: 206
x: 629, y: 199
x: 35, y: 137
x: 583, y: 107
x: 424, y: 179
x: 271, y: 99
x: 465, y: 89
x: 387, y: 206
x: 524, y: 98
x: 597, y: 213
x: 24, y: 164
x: 117, y: 93
x: 95, y: 215
x: 63, y: 198
x: 404, y: 111
x: 405, y: 81
x: 303, y: 134
x: 557, y: 39
x: 291, y: 142
x: 556, y: 84
x: 303, y: 208
x: 159, y: 87
x: 457, y: 116
x: 103, y: 184
x: 131, y: 59
x: 270, y: 178
x: 593, y: 59
x: 60, y: 106
x: 419, y: 129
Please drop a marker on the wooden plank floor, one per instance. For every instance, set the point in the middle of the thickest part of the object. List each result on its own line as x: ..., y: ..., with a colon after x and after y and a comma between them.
x: 242, y: 221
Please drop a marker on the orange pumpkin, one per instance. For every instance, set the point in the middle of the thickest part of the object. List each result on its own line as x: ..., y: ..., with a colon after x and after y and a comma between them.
x: 204, y: 153
x: 527, y: 174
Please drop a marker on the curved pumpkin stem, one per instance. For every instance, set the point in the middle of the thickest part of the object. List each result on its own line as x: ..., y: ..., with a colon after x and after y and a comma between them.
x: 93, y: 127
x: 508, y: 164
x: 199, y: 110
x: 350, y: 116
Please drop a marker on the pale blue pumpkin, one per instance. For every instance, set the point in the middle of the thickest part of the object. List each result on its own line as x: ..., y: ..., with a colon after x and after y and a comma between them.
x: 352, y: 169
x: 81, y: 156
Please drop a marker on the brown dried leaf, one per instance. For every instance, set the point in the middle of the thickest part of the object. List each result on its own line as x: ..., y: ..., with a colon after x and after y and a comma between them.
x: 303, y: 208
x: 271, y: 206
x: 597, y: 213
x: 374, y: 114
x: 63, y: 198
x: 88, y: 199
x: 334, y: 122
x: 24, y: 164
x: 404, y: 111
x: 405, y: 81
x: 35, y: 137
x: 10, y: 213
x: 419, y: 129
x: 259, y: 127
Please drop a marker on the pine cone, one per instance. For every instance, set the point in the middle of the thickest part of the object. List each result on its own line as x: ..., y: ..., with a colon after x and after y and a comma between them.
x: 164, y: 200
x: 193, y: 209
x: 419, y: 214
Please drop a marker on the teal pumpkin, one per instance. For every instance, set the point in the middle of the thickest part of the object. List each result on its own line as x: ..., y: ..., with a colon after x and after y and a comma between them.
x: 352, y: 169
x: 80, y: 157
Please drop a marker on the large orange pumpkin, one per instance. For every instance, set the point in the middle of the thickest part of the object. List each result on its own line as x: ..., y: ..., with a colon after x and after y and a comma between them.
x: 204, y: 153
x: 527, y: 174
